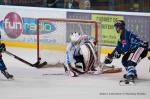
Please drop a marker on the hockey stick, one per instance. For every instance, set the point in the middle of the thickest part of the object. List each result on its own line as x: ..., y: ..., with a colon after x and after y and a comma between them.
x: 37, y: 64
x: 109, y: 69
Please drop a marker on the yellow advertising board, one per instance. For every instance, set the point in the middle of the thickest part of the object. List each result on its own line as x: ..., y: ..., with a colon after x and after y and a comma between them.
x: 107, y: 31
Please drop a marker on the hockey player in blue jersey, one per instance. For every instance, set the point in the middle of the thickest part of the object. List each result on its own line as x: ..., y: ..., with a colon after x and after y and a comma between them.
x: 131, y: 47
x: 80, y: 54
x: 2, y: 64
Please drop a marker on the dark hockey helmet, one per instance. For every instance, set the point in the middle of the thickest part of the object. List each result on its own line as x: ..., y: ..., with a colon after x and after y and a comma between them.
x: 120, y: 24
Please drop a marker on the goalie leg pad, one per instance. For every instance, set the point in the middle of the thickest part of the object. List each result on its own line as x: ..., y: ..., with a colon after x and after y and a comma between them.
x: 89, y: 56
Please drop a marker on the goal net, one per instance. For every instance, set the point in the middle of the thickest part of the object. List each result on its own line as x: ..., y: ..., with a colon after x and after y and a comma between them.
x: 53, y: 36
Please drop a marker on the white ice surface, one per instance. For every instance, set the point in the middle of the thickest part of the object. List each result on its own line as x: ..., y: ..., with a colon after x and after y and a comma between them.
x: 32, y: 83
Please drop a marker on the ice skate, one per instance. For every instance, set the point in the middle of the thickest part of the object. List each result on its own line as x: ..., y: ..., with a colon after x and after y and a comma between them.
x: 7, y: 75
x: 129, y: 78
x: 135, y: 76
x: 127, y: 81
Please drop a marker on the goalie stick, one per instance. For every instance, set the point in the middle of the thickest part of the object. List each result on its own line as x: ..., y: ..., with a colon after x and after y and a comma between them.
x: 109, y: 69
x: 37, y: 64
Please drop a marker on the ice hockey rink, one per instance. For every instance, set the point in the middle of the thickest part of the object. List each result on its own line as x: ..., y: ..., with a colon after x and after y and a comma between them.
x: 53, y: 83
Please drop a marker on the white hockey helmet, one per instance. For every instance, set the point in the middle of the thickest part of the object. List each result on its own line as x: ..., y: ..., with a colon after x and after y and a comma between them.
x: 74, y: 37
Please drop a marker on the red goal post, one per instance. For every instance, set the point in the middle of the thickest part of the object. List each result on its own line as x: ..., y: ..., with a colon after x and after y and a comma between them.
x: 57, y: 34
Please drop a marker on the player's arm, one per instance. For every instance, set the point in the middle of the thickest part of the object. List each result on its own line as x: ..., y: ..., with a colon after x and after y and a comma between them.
x: 84, y: 38
x: 88, y: 39
x: 70, y: 62
x: 115, y: 54
x: 68, y: 54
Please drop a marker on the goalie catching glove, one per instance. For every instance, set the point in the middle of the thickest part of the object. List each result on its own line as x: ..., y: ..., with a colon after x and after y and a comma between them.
x: 2, y: 47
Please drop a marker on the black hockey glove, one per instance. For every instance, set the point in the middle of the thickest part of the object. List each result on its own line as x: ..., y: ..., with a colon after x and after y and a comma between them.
x: 117, y: 54
x: 149, y: 57
x: 108, y: 59
x: 2, y: 47
x: 145, y: 45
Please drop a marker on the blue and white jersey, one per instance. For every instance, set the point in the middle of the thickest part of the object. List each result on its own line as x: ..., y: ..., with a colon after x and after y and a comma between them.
x: 128, y: 42
x: 74, y: 50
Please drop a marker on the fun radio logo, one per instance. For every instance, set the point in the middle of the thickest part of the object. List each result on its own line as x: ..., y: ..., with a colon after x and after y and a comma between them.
x: 13, y: 25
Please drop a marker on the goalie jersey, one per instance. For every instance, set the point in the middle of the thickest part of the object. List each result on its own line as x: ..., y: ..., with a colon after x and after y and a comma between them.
x: 74, y: 49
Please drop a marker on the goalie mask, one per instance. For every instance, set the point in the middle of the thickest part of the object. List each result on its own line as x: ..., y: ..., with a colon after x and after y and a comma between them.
x: 74, y: 37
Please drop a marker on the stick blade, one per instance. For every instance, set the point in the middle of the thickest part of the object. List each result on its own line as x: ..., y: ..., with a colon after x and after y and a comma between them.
x: 112, y: 70
x: 40, y: 65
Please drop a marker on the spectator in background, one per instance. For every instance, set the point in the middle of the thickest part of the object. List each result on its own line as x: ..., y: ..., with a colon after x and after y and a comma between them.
x: 72, y: 4
x: 55, y: 3
x: 60, y: 4
x: 87, y: 4
x: 5, y: 2
x: 51, y: 3
x: 135, y: 7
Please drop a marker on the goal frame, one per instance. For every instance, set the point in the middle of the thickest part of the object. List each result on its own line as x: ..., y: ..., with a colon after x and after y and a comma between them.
x: 67, y: 20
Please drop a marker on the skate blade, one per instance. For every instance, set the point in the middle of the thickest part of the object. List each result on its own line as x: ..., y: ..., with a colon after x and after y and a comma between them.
x: 126, y: 83
x: 10, y: 79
